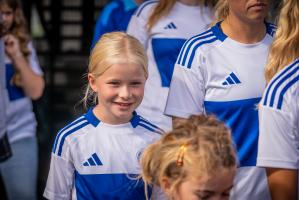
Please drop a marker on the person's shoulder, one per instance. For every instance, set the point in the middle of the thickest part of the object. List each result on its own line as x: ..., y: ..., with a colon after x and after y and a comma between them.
x: 203, y: 43
x: 146, y: 8
x: 113, y: 6
x: 140, y: 122
x: 283, y: 87
x: 71, y: 130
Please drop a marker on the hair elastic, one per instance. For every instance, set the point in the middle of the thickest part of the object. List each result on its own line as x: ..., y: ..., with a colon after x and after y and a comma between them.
x: 180, y: 159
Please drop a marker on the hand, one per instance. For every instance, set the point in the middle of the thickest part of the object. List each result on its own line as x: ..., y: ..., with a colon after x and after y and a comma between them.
x: 12, y: 47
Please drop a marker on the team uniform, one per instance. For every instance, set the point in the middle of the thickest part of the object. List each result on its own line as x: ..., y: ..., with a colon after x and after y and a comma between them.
x: 163, y: 43
x: 21, y: 130
x: 279, y: 120
x: 114, y: 17
x: 95, y: 160
x: 217, y: 75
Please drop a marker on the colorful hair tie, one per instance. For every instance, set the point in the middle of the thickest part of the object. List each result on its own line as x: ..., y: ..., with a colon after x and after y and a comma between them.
x: 180, y: 159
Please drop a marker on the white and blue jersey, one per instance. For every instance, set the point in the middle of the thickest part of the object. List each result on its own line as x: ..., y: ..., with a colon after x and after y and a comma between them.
x: 279, y: 120
x: 95, y: 160
x: 163, y: 43
x: 21, y: 121
x: 217, y: 75
x: 114, y: 17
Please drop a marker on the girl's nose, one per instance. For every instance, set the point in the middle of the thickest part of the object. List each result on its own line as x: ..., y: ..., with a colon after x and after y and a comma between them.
x: 125, y: 92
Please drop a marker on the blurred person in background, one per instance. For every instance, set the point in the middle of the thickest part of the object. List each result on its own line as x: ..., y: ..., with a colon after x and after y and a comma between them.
x: 5, y: 151
x: 24, y: 82
x: 114, y: 17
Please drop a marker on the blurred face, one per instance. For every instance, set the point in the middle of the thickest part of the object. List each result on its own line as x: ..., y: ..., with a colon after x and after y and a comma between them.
x: 249, y: 10
x: 215, y: 188
x: 7, y: 15
x: 120, y: 90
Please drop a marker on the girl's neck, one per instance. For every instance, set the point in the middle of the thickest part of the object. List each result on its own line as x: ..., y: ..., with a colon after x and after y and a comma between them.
x: 240, y: 31
x: 106, y: 117
x: 189, y: 2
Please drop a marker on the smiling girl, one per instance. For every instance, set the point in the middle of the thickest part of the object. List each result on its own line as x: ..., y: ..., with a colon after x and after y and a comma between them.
x: 96, y: 156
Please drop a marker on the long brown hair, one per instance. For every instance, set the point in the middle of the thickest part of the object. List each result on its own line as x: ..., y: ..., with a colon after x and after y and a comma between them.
x: 285, y: 47
x: 19, y: 25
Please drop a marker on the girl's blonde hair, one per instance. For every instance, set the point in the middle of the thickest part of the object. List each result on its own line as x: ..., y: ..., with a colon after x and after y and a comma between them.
x: 113, y: 48
x: 164, y: 7
x: 221, y: 10
x: 19, y: 25
x: 285, y: 47
x: 201, y: 145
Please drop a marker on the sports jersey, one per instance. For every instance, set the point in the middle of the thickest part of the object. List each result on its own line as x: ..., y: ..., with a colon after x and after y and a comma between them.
x: 21, y: 121
x: 114, y: 17
x: 96, y: 160
x: 2, y: 91
x: 279, y: 120
x: 163, y: 43
x: 217, y: 75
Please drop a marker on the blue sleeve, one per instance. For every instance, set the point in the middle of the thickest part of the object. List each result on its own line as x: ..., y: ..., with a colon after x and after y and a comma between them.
x: 105, y: 22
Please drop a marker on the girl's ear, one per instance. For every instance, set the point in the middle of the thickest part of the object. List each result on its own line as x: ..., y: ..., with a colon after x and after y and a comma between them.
x: 92, y: 82
x: 165, y: 185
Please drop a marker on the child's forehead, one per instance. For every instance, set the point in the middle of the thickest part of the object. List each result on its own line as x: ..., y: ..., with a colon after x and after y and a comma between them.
x: 120, y: 66
x: 122, y: 71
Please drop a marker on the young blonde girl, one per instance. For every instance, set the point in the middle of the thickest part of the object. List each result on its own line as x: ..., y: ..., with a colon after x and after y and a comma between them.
x: 279, y: 110
x: 96, y: 156
x: 194, y: 161
x: 162, y: 27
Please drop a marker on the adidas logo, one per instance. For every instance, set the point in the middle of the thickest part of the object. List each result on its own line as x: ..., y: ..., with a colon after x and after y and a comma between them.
x: 170, y: 26
x: 93, y: 161
x: 231, y: 80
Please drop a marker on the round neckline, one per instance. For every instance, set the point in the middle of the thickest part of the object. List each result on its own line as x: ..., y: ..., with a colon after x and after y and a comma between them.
x: 180, y: 4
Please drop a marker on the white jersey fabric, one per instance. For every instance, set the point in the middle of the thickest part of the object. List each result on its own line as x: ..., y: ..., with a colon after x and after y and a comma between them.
x: 279, y: 120
x: 21, y: 121
x: 95, y: 160
x: 217, y: 75
x: 163, y: 43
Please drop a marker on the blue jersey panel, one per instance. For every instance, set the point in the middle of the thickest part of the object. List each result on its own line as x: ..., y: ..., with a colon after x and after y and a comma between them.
x: 14, y: 92
x: 242, y: 117
x: 165, y: 53
x: 109, y: 187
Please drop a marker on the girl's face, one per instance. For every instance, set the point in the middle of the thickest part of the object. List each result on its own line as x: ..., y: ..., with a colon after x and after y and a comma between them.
x: 249, y: 11
x: 7, y: 17
x: 120, y: 90
x: 214, y: 188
